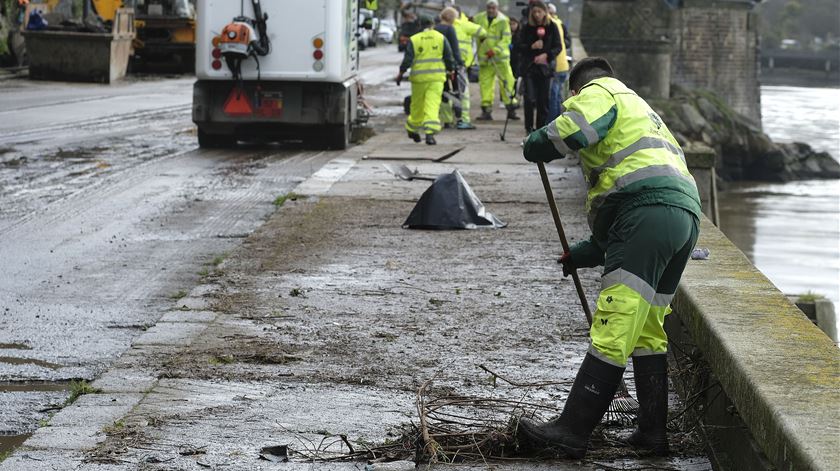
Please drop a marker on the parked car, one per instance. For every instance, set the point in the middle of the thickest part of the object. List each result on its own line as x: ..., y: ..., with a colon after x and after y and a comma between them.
x: 387, y: 31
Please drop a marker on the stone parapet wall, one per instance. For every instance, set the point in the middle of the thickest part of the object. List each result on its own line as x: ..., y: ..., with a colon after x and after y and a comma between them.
x: 778, y: 372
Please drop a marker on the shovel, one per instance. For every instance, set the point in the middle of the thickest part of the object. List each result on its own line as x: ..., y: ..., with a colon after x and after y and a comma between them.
x: 404, y: 173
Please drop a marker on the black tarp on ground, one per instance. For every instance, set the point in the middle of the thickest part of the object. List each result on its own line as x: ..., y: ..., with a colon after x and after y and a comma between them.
x: 449, y: 203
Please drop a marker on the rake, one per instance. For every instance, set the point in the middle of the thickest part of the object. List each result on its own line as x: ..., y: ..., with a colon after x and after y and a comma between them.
x: 623, y: 407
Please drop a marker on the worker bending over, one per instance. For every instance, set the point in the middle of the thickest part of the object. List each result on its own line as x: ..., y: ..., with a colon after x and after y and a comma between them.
x: 643, y: 209
x: 494, y: 61
x: 430, y: 58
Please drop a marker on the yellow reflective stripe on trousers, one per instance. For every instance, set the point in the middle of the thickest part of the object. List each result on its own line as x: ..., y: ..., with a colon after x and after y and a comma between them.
x: 640, y: 174
x: 631, y: 280
x: 641, y: 144
x: 662, y: 299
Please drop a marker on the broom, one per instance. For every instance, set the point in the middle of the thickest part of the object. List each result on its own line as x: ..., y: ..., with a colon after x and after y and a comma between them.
x: 623, y: 407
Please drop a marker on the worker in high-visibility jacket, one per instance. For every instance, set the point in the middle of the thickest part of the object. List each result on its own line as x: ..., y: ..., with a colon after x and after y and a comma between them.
x: 644, y: 211
x: 561, y: 69
x: 372, y: 4
x: 430, y: 59
x: 467, y: 33
x: 494, y: 61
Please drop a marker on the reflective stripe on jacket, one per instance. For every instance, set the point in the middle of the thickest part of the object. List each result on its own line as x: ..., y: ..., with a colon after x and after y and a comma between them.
x: 467, y: 30
x: 428, y: 64
x: 627, y: 153
x: 562, y: 61
x: 498, y: 37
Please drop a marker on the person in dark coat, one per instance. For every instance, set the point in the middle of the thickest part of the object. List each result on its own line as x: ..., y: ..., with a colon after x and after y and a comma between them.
x: 538, y: 45
x: 514, y: 52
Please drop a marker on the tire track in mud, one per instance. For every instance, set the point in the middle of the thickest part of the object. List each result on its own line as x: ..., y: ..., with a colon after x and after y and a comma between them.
x: 116, y: 249
x: 122, y: 120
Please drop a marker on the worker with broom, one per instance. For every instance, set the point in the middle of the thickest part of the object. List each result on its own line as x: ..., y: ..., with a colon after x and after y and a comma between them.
x: 643, y: 209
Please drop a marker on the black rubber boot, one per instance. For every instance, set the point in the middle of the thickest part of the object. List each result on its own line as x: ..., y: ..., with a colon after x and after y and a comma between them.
x: 430, y: 139
x: 591, y: 394
x: 651, y: 375
x: 486, y: 114
x: 511, y: 112
x: 414, y: 136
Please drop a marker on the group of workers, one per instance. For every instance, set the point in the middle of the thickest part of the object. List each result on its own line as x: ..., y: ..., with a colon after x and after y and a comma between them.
x: 440, y: 55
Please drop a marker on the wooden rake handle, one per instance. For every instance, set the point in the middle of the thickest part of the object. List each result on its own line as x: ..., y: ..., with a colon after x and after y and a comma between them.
x: 562, y: 234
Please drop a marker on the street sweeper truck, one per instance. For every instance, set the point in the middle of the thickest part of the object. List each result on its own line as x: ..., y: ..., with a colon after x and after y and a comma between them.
x: 276, y: 70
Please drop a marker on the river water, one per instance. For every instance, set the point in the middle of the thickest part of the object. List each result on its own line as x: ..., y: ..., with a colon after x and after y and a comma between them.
x: 791, y: 231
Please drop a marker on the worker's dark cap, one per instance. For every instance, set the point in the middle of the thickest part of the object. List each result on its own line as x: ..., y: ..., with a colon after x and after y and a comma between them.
x: 426, y: 21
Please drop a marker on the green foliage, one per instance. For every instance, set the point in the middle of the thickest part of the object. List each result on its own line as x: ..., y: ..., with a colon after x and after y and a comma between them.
x: 809, y: 297
x: 798, y: 19
x: 280, y: 200
x: 78, y: 389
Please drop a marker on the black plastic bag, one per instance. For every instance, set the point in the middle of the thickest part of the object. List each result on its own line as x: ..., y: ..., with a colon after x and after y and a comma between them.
x: 449, y: 203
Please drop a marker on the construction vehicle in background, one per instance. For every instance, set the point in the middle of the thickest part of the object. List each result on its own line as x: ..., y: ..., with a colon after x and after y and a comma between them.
x: 276, y: 71
x: 165, y: 32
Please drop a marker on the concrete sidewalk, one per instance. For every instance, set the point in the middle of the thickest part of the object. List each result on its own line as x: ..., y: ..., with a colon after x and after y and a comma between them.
x: 328, y: 319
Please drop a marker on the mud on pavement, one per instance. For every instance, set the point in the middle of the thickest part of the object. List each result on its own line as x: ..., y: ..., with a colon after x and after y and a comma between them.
x: 328, y: 319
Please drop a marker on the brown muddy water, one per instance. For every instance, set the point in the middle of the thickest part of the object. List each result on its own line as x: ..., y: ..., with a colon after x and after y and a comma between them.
x: 791, y: 231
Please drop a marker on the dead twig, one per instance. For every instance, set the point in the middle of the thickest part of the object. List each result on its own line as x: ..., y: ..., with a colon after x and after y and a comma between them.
x: 522, y: 385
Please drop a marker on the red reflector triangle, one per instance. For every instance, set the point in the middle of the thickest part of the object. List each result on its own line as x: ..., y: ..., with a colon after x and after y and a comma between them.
x: 238, y: 104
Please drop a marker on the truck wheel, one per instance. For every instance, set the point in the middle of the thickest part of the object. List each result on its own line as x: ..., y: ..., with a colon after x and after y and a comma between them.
x: 338, y: 136
x: 215, y: 141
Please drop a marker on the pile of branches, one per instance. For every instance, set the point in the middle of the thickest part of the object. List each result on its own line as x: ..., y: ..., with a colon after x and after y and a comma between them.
x: 459, y: 428
x: 451, y: 428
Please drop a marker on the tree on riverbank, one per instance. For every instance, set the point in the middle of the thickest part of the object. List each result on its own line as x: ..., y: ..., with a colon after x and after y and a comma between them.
x: 803, y: 20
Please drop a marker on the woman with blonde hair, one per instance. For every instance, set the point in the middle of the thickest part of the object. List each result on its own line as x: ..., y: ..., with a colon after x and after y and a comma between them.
x: 538, y: 44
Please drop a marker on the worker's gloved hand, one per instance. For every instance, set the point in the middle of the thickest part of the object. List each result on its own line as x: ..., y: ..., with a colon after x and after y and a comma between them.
x: 490, y: 53
x: 539, y: 148
x: 566, y: 261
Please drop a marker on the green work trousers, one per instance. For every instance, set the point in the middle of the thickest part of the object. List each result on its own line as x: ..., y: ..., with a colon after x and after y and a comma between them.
x: 647, y: 250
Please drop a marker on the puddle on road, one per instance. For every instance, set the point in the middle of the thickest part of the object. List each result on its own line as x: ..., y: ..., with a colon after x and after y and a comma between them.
x: 10, y: 442
x: 34, y: 386
x: 14, y: 346
x: 29, y: 361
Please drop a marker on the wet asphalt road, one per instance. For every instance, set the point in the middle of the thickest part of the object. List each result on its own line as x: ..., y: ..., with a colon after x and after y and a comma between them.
x: 108, y: 211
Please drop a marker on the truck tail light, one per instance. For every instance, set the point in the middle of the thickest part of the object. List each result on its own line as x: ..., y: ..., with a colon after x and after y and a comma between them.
x: 318, y: 54
x: 217, y: 53
x: 217, y: 64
